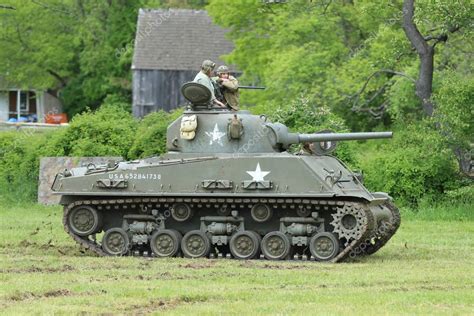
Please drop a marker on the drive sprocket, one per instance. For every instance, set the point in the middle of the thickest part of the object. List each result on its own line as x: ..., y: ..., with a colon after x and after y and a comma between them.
x: 349, y: 222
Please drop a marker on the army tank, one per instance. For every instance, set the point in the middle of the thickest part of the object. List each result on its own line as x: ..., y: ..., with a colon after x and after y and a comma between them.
x: 228, y: 187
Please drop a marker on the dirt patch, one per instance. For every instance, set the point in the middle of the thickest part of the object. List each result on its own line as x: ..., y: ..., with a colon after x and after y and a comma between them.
x: 160, y: 276
x: 56, y: 293
x: 163, y: 304
x: 23, y: 296
x: 49, y: 245
x: 152, y: 306
x: 64, y: 268
x: 285, y: 266
x: 146, y: 277
x: 199, y: 265
x: 433, y: 287
x: 25, y: 243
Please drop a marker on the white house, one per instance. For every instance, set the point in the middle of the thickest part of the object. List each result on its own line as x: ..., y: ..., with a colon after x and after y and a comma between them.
x: 31, y: 103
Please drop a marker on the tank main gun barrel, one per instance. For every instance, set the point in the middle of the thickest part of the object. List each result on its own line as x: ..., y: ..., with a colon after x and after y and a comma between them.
x: 283, y: 137
x: 252, y: 87
x: 324, y: 137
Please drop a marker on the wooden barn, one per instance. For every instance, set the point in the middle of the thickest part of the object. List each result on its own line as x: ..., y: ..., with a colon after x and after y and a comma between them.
x: 170, y: 46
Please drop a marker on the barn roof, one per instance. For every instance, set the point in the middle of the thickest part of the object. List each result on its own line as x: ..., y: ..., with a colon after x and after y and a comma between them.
x: 178, y: 39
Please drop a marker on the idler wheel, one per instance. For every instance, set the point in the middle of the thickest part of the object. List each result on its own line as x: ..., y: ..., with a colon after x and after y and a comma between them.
x: 115, y: 242
x: 276, y: 246
x: 84, y: 220
x: 165, y: 243
x: 181, y: 212
x: 324, y: 246
x: 195, y: 244
x: 385, y: 230
x: 245, y: 245
x: 261, y: 212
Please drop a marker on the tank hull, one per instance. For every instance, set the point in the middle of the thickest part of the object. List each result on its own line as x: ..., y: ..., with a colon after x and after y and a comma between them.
x: 304, y: 206
x: 225, y: 175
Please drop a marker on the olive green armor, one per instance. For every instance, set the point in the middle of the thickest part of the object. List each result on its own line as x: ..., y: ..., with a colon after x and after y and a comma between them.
x: 227, y: 187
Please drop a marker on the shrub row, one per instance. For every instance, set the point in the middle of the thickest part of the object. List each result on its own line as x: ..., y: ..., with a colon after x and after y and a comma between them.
x: 417, y: 164
x: 109, y: 131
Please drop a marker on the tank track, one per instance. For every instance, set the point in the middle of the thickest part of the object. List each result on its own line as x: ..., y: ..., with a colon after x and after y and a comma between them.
x: 383, y: 234
x: 134, y: 204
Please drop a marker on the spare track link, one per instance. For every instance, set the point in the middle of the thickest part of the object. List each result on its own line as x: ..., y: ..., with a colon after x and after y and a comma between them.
x: 92, y: 245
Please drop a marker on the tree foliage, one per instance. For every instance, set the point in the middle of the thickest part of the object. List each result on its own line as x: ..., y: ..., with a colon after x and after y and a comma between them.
x: 342, y: 65
x: 350, y: 56
x: 80, y: 50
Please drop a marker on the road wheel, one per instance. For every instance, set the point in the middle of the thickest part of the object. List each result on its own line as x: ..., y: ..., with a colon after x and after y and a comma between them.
x: 324, y: 246
x: 116, y: 242
x: 276, y: 246
x: 195, y: 244
x: 245, y: 245
x: 165, y: 243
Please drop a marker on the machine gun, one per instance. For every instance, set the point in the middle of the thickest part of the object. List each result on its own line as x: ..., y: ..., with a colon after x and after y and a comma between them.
x: 252, y: 87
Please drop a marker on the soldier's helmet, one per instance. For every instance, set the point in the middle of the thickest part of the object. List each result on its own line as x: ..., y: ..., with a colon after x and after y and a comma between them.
x: 208, y: 65
x: 222, y: 70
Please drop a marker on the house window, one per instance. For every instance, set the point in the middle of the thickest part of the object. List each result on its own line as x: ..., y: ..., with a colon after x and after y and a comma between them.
x: 24, y: 101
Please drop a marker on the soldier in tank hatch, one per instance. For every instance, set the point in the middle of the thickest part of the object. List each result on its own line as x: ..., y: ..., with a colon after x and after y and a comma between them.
x: 204, y: 77
x: 229, y: 87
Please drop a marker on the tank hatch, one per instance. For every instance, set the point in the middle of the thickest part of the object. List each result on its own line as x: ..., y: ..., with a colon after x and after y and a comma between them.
x: 197, y: 94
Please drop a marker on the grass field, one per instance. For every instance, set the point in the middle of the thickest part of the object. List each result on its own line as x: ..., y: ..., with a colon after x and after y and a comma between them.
x: 427, y: 268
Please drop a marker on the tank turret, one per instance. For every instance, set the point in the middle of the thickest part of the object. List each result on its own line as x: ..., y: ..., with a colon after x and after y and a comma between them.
x: 228, y: 187
x: 204, y: 128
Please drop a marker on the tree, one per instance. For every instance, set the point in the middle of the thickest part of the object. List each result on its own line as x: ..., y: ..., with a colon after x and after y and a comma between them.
x: 31, y: 55
x: 80, y: 50
x: 426, y: 53
x: 354, y: 57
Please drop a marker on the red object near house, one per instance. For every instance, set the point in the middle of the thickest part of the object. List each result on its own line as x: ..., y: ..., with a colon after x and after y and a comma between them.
x: 56, y: 118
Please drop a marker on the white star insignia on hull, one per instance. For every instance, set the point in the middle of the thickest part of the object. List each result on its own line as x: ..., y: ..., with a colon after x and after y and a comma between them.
x: 258, y: 175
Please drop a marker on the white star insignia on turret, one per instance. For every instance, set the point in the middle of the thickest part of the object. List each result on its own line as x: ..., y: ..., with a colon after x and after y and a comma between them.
x: 258, y: 175
x: 215, y: 136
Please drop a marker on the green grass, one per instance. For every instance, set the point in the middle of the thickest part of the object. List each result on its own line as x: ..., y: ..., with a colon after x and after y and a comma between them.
x: 441, y: 211
x: 427, y: 268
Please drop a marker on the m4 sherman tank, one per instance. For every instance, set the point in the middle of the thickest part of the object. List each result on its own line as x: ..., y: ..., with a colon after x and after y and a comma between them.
x: 228, y: 187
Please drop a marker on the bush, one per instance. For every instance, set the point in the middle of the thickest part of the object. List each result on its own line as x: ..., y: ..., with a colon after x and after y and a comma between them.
x: 109, y: 131
x: 19, y: 163
x: 416, y: 163
x: 464, y: 195
x: 150, y: 138
x: 454, y: 112
x: 415, y: 166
